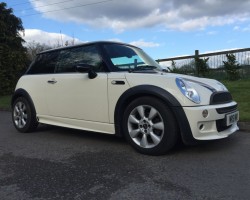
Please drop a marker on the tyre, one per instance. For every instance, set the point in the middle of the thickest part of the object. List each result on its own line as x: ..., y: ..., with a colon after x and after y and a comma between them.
x: 24, y: 115
x: 150, y: 126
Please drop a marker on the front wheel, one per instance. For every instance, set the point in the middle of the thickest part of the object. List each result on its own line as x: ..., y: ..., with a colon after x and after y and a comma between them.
x: 150, y: 127
x: 24, y: 115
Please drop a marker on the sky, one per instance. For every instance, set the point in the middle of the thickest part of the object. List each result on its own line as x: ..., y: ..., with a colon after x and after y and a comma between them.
x: 163, y: 28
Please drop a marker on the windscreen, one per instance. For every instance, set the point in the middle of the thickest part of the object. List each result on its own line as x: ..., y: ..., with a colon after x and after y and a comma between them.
x: 125, y: 58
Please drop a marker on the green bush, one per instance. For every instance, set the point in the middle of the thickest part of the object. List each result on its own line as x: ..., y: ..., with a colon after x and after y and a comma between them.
x: 202, y: 67
x: 232, y: 67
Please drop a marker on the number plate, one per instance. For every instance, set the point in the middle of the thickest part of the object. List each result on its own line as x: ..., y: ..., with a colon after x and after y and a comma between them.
x: 232, y: 118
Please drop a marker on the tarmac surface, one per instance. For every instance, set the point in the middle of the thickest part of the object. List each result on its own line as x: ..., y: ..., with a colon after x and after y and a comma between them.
x: 59, y: 163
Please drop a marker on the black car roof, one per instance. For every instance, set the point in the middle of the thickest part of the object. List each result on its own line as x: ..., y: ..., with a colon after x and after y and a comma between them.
x: 85, y: 44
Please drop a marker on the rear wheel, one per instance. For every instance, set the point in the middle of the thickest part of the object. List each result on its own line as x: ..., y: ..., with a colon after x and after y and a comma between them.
x: 150, y: 126
x: 24, y: 115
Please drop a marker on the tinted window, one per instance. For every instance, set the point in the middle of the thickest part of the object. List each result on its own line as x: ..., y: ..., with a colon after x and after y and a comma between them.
x: 70, y: 58
x: 44, y: 63
x: 123, y: 57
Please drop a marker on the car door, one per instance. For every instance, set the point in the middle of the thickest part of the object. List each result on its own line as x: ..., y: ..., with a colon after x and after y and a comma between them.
x: 74, y: 95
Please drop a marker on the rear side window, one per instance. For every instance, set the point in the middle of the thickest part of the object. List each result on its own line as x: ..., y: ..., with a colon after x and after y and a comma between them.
x: 70, y: 58
x: 44, y: 64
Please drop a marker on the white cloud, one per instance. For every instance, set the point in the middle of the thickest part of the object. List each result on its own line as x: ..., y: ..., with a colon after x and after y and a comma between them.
x: 142, y: 43
x: 139, y: 43
x: 212, y: 33
x: 242, y: 29
x: 115, y: 40
x: 120, y: 15
x: 215, y: 51
x: 246, y: 29
x: 51, y: 39
x: 58, y: 39
x: 236, y: 28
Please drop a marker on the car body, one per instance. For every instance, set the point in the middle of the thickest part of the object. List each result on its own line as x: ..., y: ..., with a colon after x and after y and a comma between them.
x: 116, y: 88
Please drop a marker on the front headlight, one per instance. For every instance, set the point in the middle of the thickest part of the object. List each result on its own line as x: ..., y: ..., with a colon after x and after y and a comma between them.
x: 187, y: 90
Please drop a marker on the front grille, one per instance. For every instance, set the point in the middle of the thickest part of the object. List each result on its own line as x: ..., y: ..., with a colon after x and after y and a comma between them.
x: 221, y: 125
x: 226, y: 109
x: 220, y: 98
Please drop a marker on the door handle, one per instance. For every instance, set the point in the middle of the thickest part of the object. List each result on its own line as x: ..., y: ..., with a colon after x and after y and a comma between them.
x: 53, y: 81
x: 118, y: 82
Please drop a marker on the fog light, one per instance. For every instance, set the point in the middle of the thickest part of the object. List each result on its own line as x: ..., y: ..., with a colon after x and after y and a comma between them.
x: 205, y: 113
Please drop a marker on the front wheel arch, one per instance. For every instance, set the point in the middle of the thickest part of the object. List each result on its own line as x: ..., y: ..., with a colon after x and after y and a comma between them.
x: 150, y: 126
x: 161, y: 94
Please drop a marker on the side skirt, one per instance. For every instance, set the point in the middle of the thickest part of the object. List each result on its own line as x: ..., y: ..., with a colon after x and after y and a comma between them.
x: 77, y: 124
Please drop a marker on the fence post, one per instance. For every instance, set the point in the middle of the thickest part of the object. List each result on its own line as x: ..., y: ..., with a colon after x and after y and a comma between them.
x: 196, y: 57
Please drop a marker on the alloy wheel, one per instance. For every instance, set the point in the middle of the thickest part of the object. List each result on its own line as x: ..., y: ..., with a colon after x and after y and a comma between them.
x: 146, y: 126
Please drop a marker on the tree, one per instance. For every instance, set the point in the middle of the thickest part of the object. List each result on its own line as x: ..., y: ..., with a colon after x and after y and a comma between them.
x: 13, y: 57
x: 173, y: 68
x: 33, y: 48
x: 232, y: 67
x: 201, y: 66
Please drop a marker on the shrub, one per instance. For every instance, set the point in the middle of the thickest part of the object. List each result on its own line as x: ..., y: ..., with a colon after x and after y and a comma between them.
x: 232, y: 67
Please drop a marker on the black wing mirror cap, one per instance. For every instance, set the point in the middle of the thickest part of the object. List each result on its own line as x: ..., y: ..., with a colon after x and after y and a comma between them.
x: 92, y: 74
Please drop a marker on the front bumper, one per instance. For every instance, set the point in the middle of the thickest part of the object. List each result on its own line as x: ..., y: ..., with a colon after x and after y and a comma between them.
x: 213, y: 126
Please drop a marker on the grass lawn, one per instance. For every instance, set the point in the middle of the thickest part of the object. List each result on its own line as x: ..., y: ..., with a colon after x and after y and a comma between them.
x: 5, y: 102
x: 240, y: 91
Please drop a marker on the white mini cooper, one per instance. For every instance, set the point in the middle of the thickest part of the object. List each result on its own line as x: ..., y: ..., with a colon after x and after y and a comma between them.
x: 117, y: 89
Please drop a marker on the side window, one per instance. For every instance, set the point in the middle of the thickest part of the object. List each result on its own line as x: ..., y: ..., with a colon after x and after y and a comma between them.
x: 70, y: 58
x: 44, y: 64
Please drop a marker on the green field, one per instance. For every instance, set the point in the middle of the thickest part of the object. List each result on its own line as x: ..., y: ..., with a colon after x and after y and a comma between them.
x: 240, y: 91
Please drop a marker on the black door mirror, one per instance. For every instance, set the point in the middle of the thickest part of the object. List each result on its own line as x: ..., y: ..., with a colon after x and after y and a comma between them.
x: 92, y: 74
x: 85, y: 68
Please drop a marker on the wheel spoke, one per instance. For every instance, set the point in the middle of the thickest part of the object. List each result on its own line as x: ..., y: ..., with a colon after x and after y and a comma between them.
x: 133, y: 120
x: 156, y: 139
x: 19, y: 122
x: 140, y: 110
x: 16, y: 109
x: 144, y: 141
x: 159, y: 126
x: 23, y: 108
x: 23, y: 122
x: 19, y: 105
x: 25, y: 116
x: 152, y: 113
x: 134, y: 133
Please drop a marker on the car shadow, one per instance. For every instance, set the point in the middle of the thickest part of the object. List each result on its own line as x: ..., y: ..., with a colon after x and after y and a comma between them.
x: 208, y: 146
x: 43, y: 128
x: 180, y: 148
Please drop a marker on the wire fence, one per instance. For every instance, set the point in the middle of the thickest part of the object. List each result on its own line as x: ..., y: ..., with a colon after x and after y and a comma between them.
x: 187, y: 64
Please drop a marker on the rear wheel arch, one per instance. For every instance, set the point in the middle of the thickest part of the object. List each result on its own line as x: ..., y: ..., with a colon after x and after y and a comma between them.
x: 22, y: 97
x: 21, y: 93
